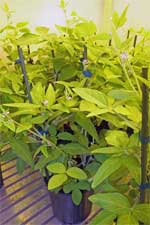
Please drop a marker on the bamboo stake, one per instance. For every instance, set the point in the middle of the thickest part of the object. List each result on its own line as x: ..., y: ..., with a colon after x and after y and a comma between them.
x: 144, y: 135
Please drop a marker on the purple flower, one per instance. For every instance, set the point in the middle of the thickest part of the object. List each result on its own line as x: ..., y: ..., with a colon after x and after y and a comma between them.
x: 124, y: 57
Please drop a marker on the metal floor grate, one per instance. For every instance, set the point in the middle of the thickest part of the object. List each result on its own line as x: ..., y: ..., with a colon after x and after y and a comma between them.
x: 24, y: 200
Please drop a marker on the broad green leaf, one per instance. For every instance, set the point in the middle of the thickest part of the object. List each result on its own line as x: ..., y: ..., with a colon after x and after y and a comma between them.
x: 108, y: 167
x: 42, y: 162
x: 92, y: 168
x: 67, y: 72
x: 42, y: 30
x: 38, y: 93
x: 5, y: 7
x: 85, y: 29
x: 142, y: 213
x: 10, y: 124
x: 83, y: 185
x: 28, y: 39
x: 127, y: 219
x: 52, y: 130
x: 22, y: 150
x: 133, y: 166
x: 20, y: 165
x: 116, y: 38
x: 92, y: 96
x: 86, y: 106
x: 23, y: 127
x: 27, y: 111
x: 60, y: 107
x: 6, y: 156
x: 76, y: 196
x: 123, y: 18
x: 113, y: 202
x: 76, y: 173
x: 103, y: 218
x: 66, y: 136
x: 57, y: 181
x: 74, y: 149
x: 122, y: 94
x: 22, y: 24
x: 44, y: 150
x: 107, y: 150
x: 70, y: 186
x: 56, y: 167
x: 115, y: 19
x: 86, y: 124
x: 117, y: 138
x: 50, y: 96
x: 22, y: 105
x: 39, y: 119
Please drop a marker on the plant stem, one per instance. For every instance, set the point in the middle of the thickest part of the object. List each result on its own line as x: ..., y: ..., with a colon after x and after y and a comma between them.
x: 136, y: 80
x: 144, y: 134
x: 127, y: 76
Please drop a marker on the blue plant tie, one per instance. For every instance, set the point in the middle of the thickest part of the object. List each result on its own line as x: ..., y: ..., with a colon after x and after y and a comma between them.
x: 87, y: 73
x: 18, y: 61
x: 144, y: 140
x: 145, y: 186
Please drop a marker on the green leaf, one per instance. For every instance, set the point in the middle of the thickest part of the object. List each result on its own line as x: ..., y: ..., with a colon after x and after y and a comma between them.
x: 10, y: 124
x: 67, y: 72
x: 123, y: 18
x: 76, y: 196
x: 92, y: 96
x: 38, y: 93
x: 44, y: 150
x: 116, y: 38
x: 70, y: 186
x: 20, y: 165
x: 142, y: 213
x: 57, y: 181
x: 5, y: 7
x: 133, y: 166
x: 76, y: 173
x: 86, y: 124
x: 52, y: 129
x: 28, y: 39
x: 127, y: 219
x: 6, y: 156
x: 117, y: 138
x: 85, y: 29
x: 42, y: 30
x: 83, y: 185
x: 39, y: 119
x: 22, y: 24
x: 56, y: 167
x: 74, y: 149
x: 50, y: 96
x: 22, y: 150
x: 92, y: 168
x: 108, y: 167
x: 113, y: 202
x: 66, y: 136
x: 22, y: 105
x: 22, y: 127
x: 103, y: 218
x: 42, y: 162
x: 122, y: 94
x: 108, y: 150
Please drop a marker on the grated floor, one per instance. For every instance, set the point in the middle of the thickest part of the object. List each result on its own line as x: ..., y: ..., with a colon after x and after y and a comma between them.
x: 24, y: 200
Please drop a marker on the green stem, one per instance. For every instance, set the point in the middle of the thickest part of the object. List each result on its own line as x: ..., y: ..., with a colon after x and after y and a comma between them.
x: 127, y: 76
x: 136, y: 80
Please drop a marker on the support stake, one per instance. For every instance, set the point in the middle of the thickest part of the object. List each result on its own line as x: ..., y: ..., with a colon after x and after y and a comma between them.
x: 144, y: 133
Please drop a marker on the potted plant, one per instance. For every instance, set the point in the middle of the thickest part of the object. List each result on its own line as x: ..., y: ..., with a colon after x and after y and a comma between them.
x: 86, y: 97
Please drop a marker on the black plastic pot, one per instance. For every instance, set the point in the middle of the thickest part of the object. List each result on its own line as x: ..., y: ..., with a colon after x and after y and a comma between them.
x: 66, y: 211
